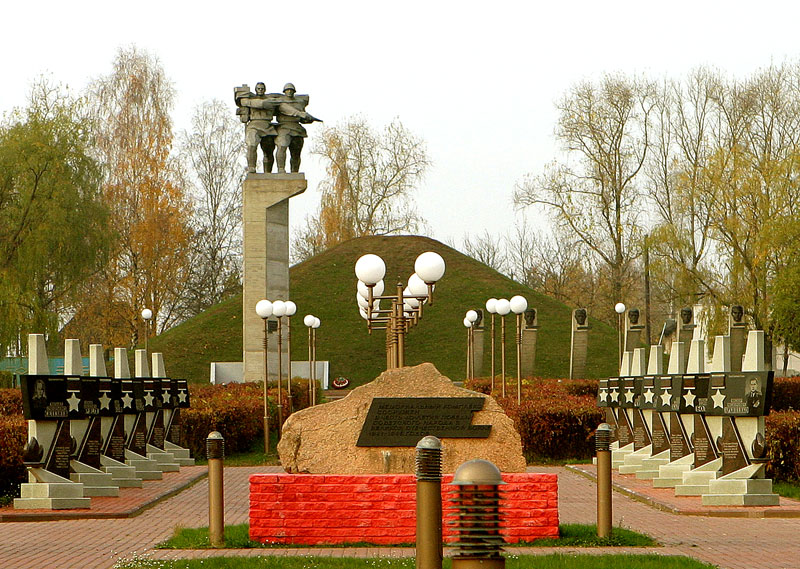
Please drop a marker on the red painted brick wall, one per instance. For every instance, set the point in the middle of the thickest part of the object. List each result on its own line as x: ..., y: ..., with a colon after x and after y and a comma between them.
x: 381, y: 509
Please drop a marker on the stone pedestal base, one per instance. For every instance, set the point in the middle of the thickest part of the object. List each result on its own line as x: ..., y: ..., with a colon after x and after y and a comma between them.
x: 146, y: 468
x: 265, y: 213
x: 741, y: 488
x: 650, y: 466
x: 165, y: 460
x: 633, y: 463
x: 695, y: 482
x: 50, y: 492
x: 618, y: 455
x: 182, y: 455
x: 124, y: 476
x: 671, y: 474
x: 95, y: 482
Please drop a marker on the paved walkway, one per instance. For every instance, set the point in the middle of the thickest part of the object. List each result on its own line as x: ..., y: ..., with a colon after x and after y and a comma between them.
x: 735, y: 543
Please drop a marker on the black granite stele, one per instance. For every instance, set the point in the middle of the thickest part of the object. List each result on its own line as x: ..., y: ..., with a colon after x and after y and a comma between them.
x: 58, y: 399
x: 690, y: 397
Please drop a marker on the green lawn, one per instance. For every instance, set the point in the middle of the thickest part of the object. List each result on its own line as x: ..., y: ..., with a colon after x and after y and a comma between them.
x: 572, y: 535
x: 555, y: 561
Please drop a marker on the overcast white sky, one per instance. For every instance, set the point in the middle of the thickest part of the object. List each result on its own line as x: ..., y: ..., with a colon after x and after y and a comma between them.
x: 477, y: 81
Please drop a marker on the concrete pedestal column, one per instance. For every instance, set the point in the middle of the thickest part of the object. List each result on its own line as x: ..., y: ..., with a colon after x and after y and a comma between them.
x: 265, y: 214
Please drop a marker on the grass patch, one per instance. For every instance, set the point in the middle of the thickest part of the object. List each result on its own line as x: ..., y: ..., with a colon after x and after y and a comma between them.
x: 787, y: 489
x: 583, y: 535
x: 555, y: 561
x: 572, y: 535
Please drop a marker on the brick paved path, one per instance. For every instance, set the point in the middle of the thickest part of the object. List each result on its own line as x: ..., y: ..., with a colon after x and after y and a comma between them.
x: 735, y: 543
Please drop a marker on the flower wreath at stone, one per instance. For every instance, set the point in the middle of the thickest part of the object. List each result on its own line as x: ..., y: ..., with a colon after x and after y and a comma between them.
x: 341, y: 382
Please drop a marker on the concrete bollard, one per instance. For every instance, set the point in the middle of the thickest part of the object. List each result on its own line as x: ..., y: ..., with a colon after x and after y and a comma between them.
x: 602, y: 438
x: 429, y: 503
x: 215, y: 451
x: 476, y: 504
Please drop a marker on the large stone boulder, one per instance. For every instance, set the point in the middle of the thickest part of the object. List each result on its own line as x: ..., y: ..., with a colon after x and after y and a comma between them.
x: 322, y: 439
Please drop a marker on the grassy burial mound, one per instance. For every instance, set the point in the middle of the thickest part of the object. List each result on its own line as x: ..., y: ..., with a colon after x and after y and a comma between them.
x: 325, y: 286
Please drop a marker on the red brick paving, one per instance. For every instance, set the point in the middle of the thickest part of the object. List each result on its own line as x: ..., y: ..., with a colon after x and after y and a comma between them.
x: 734, y: 543
x: 130, y: 502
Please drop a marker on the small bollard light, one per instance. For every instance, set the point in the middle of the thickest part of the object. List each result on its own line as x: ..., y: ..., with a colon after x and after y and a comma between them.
x: 475, y: 505
x: 602, y: 438
x: 215, y: 452
x: 429, y: 503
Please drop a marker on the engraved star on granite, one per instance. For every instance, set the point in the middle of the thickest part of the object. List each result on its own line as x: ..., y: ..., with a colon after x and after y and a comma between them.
x: 629, y: 395
x: 718, y: 398
x: 165, y: 397
x: 648, y: 395
x: 105, y: 400
x: 614, y: 395
x: 127, y: 400
x: 604, y: 395
x: 73, y: 401
x: 665, y: 397
x: 148, y: 398
x: 182, y: 395
x: 689, y: 397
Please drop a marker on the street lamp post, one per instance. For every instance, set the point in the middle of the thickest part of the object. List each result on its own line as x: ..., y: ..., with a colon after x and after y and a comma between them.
x: 619, y: 308
x: 264, y: 310
x: 291, y: 309
x: 406, y: 305
x: 518, y: 305
x: 147, y: 314
x: 491, y: 308
x: 471, y: 317
x: 278, y: 310
x: 503, y: 307
x: 312, y: 322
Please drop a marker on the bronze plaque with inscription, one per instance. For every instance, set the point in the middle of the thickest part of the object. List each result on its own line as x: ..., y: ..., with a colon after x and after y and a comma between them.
x: 403, y: 421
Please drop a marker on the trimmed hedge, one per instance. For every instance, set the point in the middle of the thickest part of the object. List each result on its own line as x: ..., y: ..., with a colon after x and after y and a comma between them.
x: 786, y: 394
x: 237, y: 411
x: 13, y: 435
x: 557, y: 417
x: 783, y: 438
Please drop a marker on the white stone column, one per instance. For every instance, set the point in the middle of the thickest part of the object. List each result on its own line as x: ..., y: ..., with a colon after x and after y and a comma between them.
x: 265, y: 214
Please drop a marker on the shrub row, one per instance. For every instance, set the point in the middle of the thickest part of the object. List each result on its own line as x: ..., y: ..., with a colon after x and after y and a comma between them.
x: 13, y: 435
x: 237, y: 411
x: 556, y: 419
x: 783, y: 445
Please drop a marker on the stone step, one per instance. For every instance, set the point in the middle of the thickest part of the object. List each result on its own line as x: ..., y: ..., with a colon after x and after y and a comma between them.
x: 185, y: 461
x: 740, y: 486
x: 51, y: 503
x: 662, y: 482
x: 92, y: 478
x: 164, y: 462
x: 691, y: 489
x: 176, y: 451
x: 51, y: 490
x: 108, y: 491
x: 741, y: 499
x: 646, y: 473
x: 145, y: 471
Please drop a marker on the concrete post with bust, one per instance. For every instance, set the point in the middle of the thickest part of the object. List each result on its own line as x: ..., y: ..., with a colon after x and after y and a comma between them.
x: 579, y: 343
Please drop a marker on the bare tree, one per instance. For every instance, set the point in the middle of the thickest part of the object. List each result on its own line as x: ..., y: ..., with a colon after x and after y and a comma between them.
x: 593, y: 193
x: 488, y: 249
x: 213, y: 149
x: 369, y: 187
